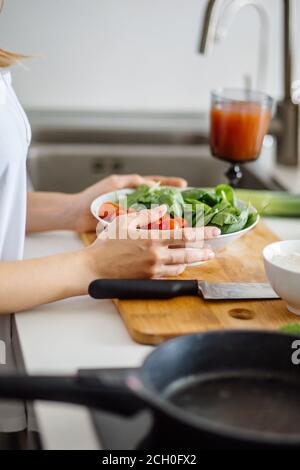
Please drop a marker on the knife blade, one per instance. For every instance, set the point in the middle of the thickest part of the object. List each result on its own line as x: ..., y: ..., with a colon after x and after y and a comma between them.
x: 129, y: 289
x: 236, y: 291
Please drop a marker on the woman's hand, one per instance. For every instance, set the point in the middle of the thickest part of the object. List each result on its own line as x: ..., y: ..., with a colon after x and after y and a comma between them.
x: 43, y: 280
x: 115, y: 182
x: 122, y: 252
x: 80, y: 207
x: 58, y: 211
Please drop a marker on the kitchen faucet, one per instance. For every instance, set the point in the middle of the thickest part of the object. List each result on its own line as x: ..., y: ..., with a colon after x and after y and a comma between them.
x: 285, y: 125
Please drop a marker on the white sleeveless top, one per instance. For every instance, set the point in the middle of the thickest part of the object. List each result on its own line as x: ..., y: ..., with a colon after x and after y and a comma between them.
x: 15, y: 136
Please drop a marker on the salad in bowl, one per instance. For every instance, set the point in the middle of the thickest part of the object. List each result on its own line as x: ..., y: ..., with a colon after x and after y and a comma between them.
x: 191, y: 207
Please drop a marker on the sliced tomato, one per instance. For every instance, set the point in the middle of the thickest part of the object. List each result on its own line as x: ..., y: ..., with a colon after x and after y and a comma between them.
x: 166, y: 223
x: 182, y: 222
x: 155, y: 225
x: 171, y: 224
x: 109, y: 210
x: 120, y: 212
x: 159, y: 223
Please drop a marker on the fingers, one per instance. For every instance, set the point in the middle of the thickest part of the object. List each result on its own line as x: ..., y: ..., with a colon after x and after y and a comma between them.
x: 170, y: 271
x: 146, y: 217
x: 172, y: 262
x: 182, y: 256
x: 201, y: 233
x: 167, y: 181
x: 189, y: 236
x: 131, y: 181
x: 127, y: 226
x: 135, y: 180
x: 211, y: 232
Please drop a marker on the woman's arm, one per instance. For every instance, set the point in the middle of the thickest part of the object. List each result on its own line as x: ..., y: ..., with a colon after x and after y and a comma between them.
x: 29, y: 283
x: 26, y: 284
x: 50, y: 211
x: 59, y: 211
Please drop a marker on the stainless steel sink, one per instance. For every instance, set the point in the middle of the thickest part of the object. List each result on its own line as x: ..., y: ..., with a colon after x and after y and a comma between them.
x: 71, y: 150
x: 71, y: 167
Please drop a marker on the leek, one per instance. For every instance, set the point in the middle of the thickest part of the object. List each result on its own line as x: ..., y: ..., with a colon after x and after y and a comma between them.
x: 271, y: 203
x: 291, y: 328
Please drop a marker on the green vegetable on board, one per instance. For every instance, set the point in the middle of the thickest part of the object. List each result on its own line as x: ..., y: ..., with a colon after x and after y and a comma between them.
x: 271, y: 203
x: 291, y: 328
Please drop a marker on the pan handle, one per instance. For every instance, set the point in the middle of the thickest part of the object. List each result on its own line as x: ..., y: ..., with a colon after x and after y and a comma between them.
x: 86, y: 389
x: 127, y: 289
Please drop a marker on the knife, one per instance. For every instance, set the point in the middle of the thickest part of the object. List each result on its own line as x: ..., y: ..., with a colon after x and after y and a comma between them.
x: 127, y: 289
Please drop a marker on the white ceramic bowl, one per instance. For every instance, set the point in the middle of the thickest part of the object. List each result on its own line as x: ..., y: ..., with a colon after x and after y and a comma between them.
x: 215, y: 244
x: 285, y: 282
x: 113, y: 197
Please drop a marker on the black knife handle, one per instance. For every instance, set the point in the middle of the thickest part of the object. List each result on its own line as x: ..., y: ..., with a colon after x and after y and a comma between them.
x: 127, y: 289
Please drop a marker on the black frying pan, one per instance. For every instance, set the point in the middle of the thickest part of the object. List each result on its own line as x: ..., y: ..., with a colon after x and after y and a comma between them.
x: 220, y: 389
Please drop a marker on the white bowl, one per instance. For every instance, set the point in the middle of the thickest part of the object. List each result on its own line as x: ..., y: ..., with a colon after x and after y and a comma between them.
x: 215, y: 244
x: 113, y: 197
x: 285, y: 282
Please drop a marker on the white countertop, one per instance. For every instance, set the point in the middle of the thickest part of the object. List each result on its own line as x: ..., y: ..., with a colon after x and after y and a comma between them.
x: 81, y: 333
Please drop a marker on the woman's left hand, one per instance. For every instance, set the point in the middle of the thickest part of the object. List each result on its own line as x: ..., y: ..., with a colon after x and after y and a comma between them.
x: 80, y: 207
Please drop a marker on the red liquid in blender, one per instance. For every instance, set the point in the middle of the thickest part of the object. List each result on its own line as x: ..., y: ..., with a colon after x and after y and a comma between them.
x: 238, y: 130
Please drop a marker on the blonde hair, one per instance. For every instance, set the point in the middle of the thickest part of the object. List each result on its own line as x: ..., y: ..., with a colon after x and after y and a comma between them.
x: 10, y: 58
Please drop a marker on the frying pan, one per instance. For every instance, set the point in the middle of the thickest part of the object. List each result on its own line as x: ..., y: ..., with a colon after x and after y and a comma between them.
x: 212, y: 390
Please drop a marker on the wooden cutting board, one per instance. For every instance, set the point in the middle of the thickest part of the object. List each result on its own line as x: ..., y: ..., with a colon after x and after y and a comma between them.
x: 154, y: 321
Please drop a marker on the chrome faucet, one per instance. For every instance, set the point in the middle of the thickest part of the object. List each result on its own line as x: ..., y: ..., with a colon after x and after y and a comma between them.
x: 285, y: 125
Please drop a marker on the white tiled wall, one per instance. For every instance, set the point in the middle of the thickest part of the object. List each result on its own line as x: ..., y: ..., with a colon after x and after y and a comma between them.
x: 130, y: 54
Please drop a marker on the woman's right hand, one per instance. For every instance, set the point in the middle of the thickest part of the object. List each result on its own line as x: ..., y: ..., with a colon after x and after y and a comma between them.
x: 120, y: 252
